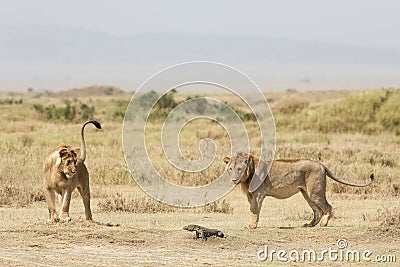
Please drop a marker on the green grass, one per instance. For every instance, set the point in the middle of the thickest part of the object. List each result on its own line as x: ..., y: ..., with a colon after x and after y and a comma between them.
x: 366, y: 112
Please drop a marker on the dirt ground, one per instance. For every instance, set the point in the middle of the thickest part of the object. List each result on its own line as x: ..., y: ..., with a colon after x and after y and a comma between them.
x: 127, y: 239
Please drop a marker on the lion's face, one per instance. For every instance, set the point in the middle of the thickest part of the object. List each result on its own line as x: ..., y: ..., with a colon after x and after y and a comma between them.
x: 236, y: 167
x: 68, y: 162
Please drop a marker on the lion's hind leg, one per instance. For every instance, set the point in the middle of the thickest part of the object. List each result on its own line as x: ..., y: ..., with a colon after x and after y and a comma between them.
x: 316, y: 190
x: 84, y: 191
x: 326, y: 208
x: 316, y: 210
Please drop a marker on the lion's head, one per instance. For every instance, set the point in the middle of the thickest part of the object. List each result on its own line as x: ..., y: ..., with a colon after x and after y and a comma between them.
x: 246, y: 169
x: 237, y: 166
x: 67, y: 160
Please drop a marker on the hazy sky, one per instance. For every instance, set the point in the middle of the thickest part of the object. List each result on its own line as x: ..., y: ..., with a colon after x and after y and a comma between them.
x: 370, y: 23
x: 363, y: 22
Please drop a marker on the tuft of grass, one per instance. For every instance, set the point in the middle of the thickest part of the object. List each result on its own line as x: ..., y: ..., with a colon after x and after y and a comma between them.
x: 26, y: 140
x: 15, y: 196
x: 304, y: 215
x: 138, y: 205
x: 389, y: 217
x: 218, y: 207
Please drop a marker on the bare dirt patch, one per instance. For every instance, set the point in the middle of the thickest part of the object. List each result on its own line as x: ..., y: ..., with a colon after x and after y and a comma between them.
x: 158, y: 239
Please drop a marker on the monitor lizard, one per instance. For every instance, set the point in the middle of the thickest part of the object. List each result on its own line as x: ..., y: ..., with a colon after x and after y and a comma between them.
x: 203, y: 232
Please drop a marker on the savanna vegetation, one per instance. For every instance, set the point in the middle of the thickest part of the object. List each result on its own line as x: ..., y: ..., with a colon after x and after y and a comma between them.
x: 354, y: 133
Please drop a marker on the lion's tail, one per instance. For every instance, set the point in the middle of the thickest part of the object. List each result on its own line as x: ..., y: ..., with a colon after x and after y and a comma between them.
x: 337, y: 179
x: 83, y: 146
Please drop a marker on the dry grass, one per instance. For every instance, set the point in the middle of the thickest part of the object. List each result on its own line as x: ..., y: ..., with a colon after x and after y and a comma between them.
x: 290, y: 105
x: 137, y: 205
x: 219, y: 207
x: 389, y: 217
x: 145, y: 204
x: 351, y: 155
x: 151, y: 233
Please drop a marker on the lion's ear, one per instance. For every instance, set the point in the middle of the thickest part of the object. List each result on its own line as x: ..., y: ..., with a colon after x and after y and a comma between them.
x: 259, y: 176
x: 63, y: 152
x: 227, y: 160
x: 76, y: 151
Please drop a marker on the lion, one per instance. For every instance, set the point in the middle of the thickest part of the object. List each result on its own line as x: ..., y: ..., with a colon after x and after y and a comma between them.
x: 63, y: 173
x: 284, y: 179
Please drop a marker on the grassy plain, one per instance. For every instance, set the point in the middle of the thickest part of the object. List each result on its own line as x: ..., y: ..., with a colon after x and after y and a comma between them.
x: 353, y: 133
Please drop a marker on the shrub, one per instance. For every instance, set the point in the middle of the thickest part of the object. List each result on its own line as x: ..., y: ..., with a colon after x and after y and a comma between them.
x: 11, y: 101
x: 119, y: 109
x: 163, y: 106
x: 70, y: 112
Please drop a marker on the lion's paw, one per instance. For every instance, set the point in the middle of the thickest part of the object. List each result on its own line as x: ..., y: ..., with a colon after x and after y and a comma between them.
x: 65, y: 218
x: 251, y: 226
x: 53, y: 220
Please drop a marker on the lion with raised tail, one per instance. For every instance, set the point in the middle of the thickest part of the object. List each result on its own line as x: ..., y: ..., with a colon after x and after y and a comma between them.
x: 284, y: 179
x: 64, y: 172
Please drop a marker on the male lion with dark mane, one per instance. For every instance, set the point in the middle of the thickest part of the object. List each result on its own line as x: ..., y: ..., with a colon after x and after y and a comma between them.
x: 284, y: 179
x: 63, y: 173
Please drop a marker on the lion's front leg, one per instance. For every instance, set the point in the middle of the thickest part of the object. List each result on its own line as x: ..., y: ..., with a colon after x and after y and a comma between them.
x: 51, y: 199
x: 255, y: 207
x: 66, y: 200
